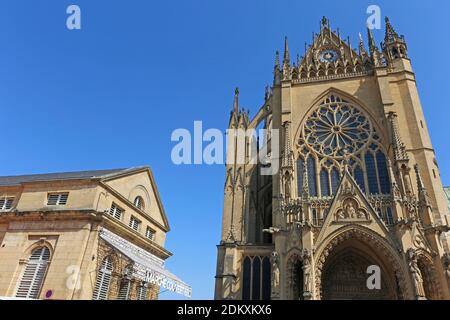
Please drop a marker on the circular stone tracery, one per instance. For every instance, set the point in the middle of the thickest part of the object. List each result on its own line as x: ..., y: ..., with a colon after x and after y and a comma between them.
x: 337, y: 127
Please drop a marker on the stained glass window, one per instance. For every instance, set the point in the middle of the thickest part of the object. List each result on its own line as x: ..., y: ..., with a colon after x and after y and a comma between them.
x: 324, y: 183
x: 246, y: 279
x: 312, y: 177
x: 300, y: 164
x: 335, y: 177
x: 383, y: 173
x: 371, y: 174
x: 359, y: 177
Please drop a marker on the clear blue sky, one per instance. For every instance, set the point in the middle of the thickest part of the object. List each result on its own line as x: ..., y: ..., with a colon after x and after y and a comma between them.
x: 110, y: 95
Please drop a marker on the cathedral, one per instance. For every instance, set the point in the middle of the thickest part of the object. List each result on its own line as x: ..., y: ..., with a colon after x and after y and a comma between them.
x: 357, y: 195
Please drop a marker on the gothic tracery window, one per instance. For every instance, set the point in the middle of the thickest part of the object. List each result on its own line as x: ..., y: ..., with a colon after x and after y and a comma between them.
x: 256, y: 277
x: 337, y: 131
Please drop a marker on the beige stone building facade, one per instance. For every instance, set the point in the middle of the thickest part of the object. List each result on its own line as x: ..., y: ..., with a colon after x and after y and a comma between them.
x: 84, y: 235
x: 358, y: 193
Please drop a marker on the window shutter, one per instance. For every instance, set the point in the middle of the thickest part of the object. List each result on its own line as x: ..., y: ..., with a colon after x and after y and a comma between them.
x: 142, y: 292
x: 124, y: 291
x: 33, y: 276
x: 6, y: 203
x: 134, y: 223
x: 116, y: 212
x: 57, y: 199
x: 150, y: 234
x: 103, y: 280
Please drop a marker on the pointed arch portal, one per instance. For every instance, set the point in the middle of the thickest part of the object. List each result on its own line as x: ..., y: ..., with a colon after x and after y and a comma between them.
x: 342, y: 268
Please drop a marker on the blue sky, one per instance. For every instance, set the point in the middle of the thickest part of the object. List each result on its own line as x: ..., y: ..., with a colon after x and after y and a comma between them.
x: 110, y: 95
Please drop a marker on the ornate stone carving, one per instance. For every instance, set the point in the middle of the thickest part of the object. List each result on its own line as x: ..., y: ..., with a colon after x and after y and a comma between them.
x: 306, y: 273
x: 416, y: 274
x: 350, y: 210
x: 275, y: 260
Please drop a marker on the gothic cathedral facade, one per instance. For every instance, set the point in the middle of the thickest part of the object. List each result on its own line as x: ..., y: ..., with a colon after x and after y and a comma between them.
x: 357, y: 193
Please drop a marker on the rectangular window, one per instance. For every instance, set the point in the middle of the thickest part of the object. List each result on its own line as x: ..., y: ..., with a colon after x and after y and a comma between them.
x: 116, y: 212
x: 135, y: 223
x: 150, y: 234
x: 57, y: 199
x: 6, y: 203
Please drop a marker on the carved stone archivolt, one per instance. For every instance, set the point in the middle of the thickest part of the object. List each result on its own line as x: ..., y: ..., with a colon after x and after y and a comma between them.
x: 385, y: 250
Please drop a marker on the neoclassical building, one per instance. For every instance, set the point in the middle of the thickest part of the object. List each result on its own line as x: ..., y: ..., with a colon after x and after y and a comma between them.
x: 357, y: 192
x: 84, y: 235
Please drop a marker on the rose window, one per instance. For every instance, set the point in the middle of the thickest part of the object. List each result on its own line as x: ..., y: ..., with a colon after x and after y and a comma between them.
x: 336, y: 128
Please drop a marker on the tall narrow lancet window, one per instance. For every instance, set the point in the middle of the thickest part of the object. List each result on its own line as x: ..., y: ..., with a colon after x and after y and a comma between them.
x: 383, y: 173
x: 256, y: 279
x: 335, y: 179
x: 103, y: 281
x: 324, y: 183
x: 34, y: 274
x: 266, y: 278
x: 312, y: 176
x: 371, y: 173
x: 359, y: 177
x: 300, y: 168
x: 246, y: 278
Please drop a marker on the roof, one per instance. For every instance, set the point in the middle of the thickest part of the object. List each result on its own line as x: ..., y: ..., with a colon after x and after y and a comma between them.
x: 76, y: 175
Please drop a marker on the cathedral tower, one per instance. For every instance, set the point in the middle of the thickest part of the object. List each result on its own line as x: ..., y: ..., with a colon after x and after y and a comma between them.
x: 357, y: 191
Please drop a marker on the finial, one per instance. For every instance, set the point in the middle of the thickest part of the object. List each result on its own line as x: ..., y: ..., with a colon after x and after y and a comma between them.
x: 372, y: 45
x: 236, y: 100
x: 362, y: 50
x: 324, y: 21
x: 286, y: 51
x: 390, y: 35
x: 277, y: 59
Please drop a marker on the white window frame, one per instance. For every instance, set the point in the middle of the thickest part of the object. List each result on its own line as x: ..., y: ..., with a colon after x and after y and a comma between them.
x: 150, y: 234
x: 135, y: 223
x: 116, y: 212
x: 142, y: 292
x: 103, y: 281
x: 6, y: 203
x: 57, y: 199
x: 34, y: 274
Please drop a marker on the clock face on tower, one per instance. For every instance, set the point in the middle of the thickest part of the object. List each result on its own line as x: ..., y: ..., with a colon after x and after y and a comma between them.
x: 328, y: 56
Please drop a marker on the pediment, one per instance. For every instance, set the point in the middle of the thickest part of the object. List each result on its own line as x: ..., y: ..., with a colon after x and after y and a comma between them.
x: 351, y: 206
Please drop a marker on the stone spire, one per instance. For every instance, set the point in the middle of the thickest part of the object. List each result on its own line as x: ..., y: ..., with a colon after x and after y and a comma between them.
x: 371, y: 40
x: 286, y: 61
x: 277, y: 60
x: 362, y: 49
x: 390, y: 35
x: 236, y: 100
x: 397, y: 144
x: 426, y: 213
x: 394, y: 46
x: 286, y: 58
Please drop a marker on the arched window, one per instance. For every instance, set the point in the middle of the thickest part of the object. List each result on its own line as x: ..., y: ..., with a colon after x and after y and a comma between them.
x: 371, y: 174
x: 359, y: 177
x: 256, y: 279
x: 246, y: 275
x: 324, y: 183
x: 335, y: 179
x: 383, y: 173
x: 266, y: 278
x: 142, y: 291
x: 312, y: 177
x: 34, y: 274
x: 139, y: 202
x: 103, y: 280
x: 125, y: 284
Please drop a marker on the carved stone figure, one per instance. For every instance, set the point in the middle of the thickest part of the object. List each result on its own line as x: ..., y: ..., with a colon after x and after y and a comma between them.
x: 307, y: 271
x: 350, y: 210
x: 275, y: 272
x: 416, y: 273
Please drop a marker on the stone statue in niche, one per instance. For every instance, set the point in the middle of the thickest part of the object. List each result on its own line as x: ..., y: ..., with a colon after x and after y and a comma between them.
x: 306, y: 271
x: 416, y: 273
x: 275, y: 273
